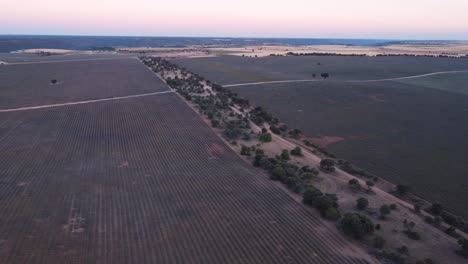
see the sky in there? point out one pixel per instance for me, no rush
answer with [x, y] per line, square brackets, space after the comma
[370, 19]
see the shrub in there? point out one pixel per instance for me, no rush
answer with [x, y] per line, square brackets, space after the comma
[297, 151]
[393, 206]
[362, 203]
[285, 155]
[278, 173]
[311, 195]
[403, 250]
[357, 225]
[379, 242]
[451, 231]
[275, 130]
[384, 210]
[332, 213]
[327, 164]
[265, 137]
[401, 189]
[245, 151]
[354, 185]
[464, 247]
[417, 208]
[436, 209]
[412, 234]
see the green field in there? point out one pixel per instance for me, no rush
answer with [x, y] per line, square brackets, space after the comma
[405, 131]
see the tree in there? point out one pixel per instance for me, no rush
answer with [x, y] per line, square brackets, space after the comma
[417, 208]
[275, 130]
[245, 151]
[327, 164]
[332, 213]
[354, 185]
[357, 225]
[297, 151]
[325, 75]
[393, 206]
[401, 189]
[265, 137]
[464, 247]
[53, 81]
[369, 185]
[278, 173]
[311, 195]
[362, 203]
[285, 155]
[384, 210]
[436, 209]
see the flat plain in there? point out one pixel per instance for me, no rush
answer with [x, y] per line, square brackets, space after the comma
[407, 131]
[28, 85]
[140, 180]
[234, 69]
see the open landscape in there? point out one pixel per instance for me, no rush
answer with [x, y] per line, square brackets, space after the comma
[246, 132]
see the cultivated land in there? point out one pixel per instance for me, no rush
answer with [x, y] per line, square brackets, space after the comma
[405, 133]
[139, 180]
[232, 69]
[26, 85]
[227, 113]
[12, 58]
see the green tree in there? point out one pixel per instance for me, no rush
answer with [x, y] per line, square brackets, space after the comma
[297, 151]
[278, 173]
[265, 137]
[285, 155]
[357, 225]
[311, 196]
[464, 247]
[436, 209]
[332, 213]
[327, 164]
[362, 203]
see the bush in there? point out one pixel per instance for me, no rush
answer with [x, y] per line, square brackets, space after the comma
[393, 206]
[275, 130]
[327, 164]
[311, 195]
[401, 189]
[403, 250]
[332, 213]
[464, 247]
[385, 210]
[412, 234]
[245, 151]
[297, 151]
[362, 203]
[278, 173]
[357, 225]
[265, 137]
[379, 242]
[436, 209]
[354, 185]
[285, 155]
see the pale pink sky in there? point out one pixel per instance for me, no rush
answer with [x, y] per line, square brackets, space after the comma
[403, 19]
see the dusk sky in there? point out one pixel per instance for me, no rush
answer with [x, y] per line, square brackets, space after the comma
[392, 19]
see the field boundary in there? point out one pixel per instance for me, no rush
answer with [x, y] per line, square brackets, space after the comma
[82, 102]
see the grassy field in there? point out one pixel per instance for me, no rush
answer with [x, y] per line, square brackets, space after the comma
[234, 69]
[30, 84]
[27, 57]
[139, 180]
[403, 133]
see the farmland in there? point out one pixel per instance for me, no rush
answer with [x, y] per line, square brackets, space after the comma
[138, 180]
[234, 69]
[26, 85]
[404, 131]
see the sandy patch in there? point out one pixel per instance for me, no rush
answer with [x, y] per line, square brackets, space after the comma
[54, 51]
[454, 49]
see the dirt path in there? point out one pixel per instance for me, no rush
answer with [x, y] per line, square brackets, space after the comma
[374, 80]
[81, 102]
